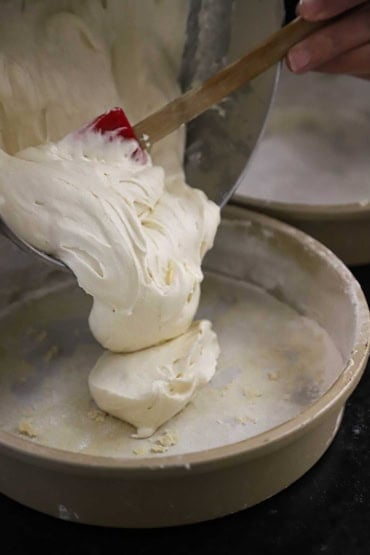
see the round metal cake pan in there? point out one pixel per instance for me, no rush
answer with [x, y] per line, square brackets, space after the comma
[312, 166]
[344, 229]
[196, 486]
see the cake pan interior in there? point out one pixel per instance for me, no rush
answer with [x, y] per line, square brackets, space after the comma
[286, 314]
[293, 327]
[311, 168]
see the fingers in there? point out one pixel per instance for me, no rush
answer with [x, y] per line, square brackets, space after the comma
[315, 10]
[332, 41]
[355, 62]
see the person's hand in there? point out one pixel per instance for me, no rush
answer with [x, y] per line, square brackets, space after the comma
[341, 47]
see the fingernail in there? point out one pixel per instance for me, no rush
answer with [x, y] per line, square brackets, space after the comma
[311, 6]
[308, 2]
[299, 58]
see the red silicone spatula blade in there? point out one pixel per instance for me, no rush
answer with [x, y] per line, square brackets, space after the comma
[113, 120]
[116, 123]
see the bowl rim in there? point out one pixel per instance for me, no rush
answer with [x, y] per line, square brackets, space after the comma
[319, 212]
[249, 448]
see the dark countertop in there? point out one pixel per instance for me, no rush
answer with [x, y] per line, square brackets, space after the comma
[327, 511]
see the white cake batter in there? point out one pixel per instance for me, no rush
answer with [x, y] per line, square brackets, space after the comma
[134, 236]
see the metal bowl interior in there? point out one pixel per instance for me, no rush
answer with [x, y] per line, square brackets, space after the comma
[164, 490]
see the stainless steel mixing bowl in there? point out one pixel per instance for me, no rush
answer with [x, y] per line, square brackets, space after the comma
[221, 141]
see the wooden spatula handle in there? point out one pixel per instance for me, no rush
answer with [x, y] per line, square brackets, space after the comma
[188, 106]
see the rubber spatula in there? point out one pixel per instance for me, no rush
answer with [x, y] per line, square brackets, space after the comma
[199, 99]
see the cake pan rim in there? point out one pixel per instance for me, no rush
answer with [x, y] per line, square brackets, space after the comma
[318, 212]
